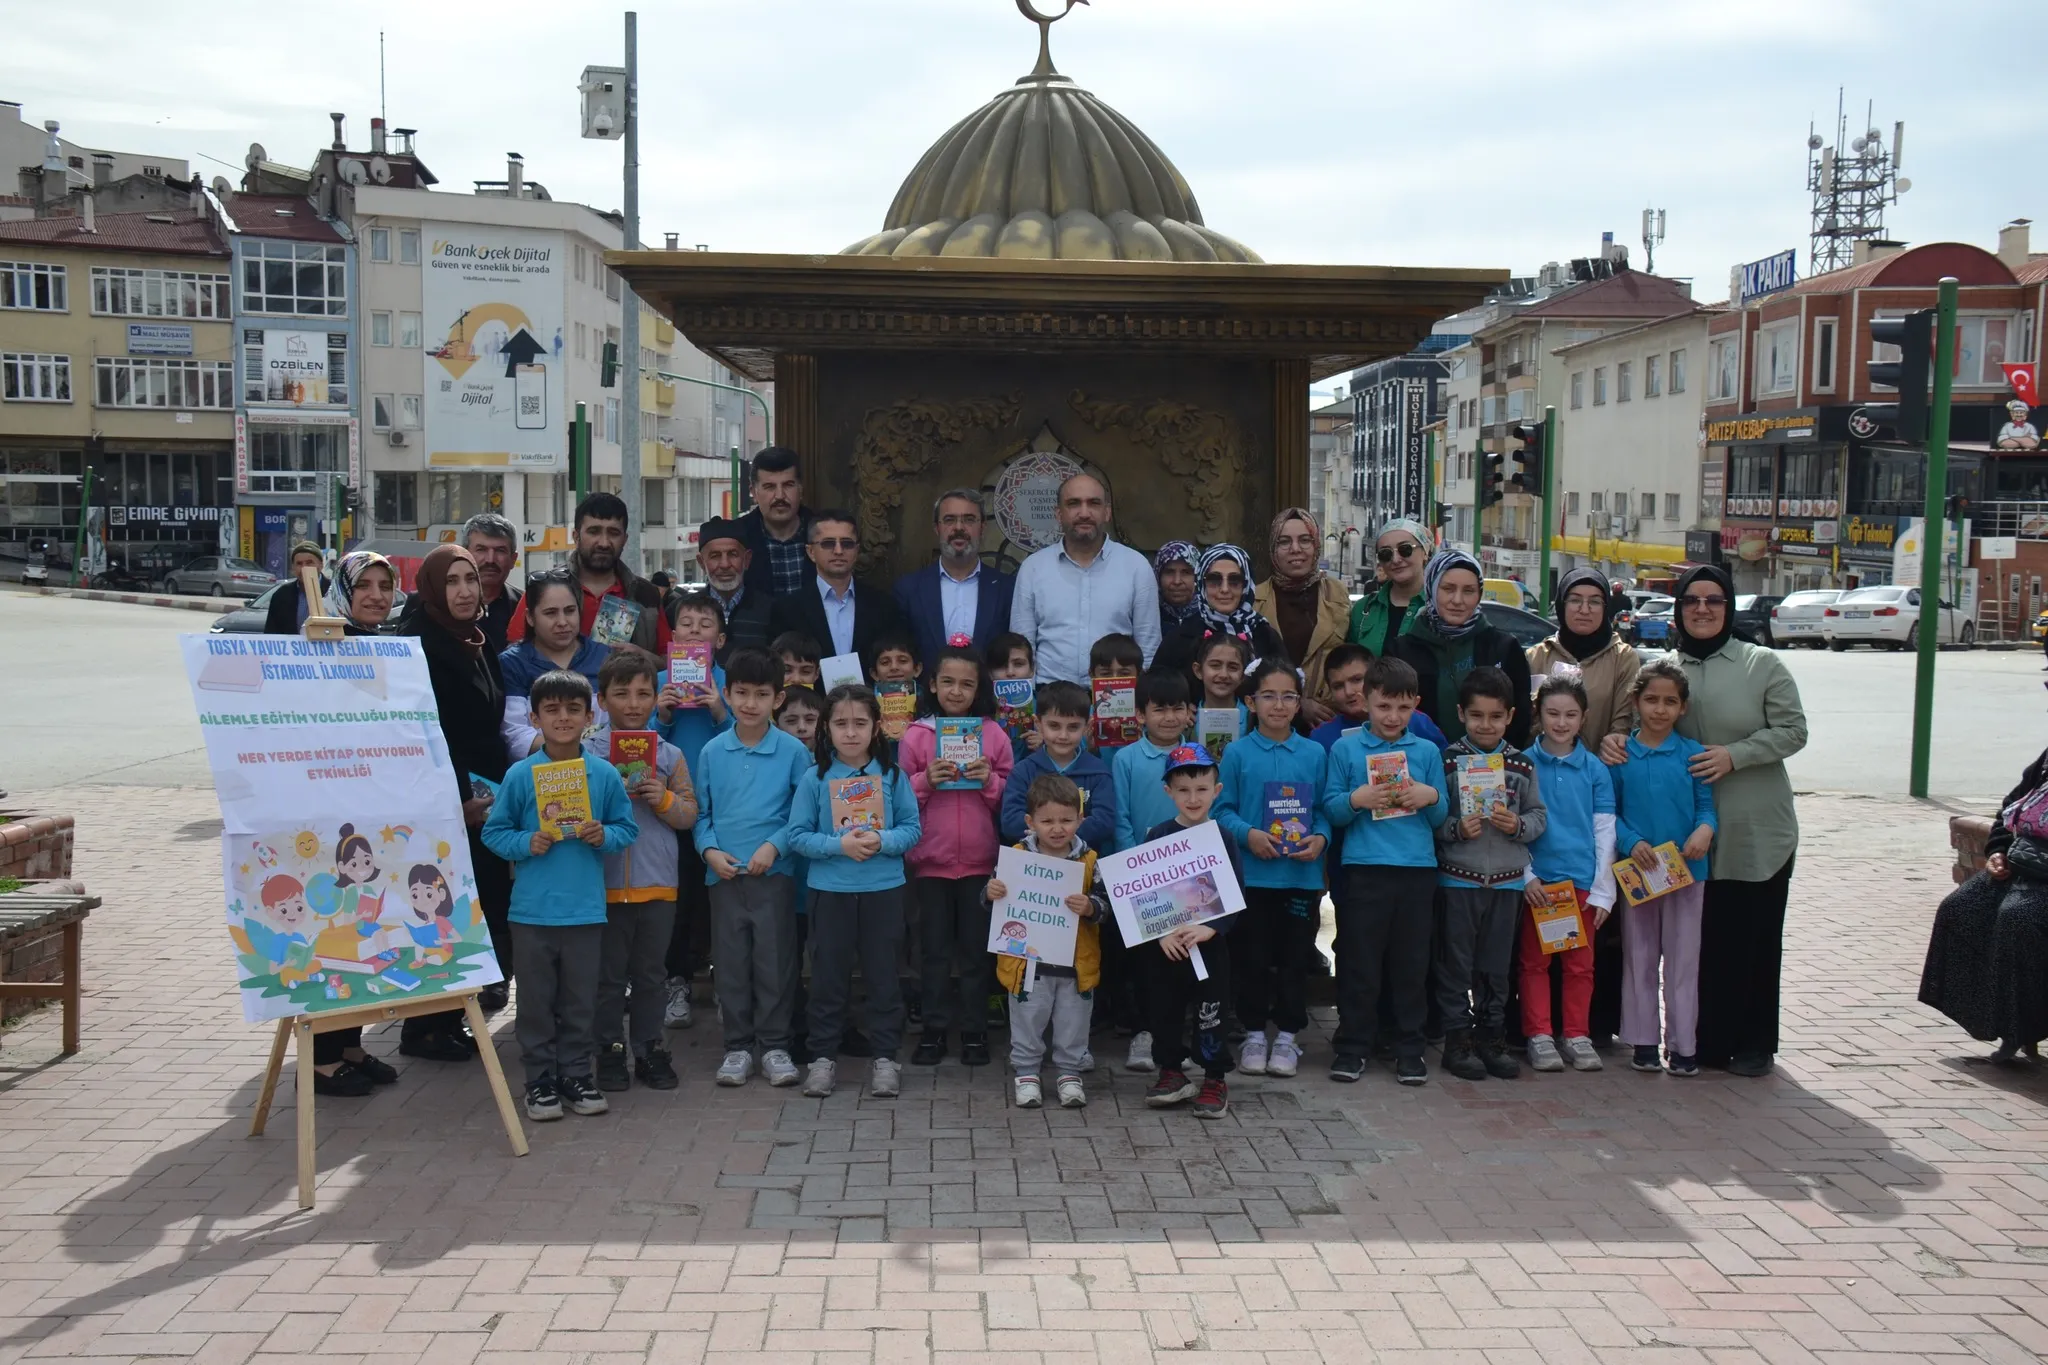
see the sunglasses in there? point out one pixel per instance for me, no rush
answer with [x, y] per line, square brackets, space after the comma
[1223, 580]
[1705, 603]
[826, 543]
[1406, 549]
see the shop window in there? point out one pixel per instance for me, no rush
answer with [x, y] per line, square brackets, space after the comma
[395, 499]
[295, 459]
[34, 286]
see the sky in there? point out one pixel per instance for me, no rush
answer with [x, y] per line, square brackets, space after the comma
[1496, 133]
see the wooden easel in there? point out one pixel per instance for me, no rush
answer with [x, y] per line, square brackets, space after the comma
[304, 1026]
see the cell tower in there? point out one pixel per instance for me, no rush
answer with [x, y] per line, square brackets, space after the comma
[1852, 180]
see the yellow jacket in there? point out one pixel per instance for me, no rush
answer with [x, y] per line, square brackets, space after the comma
[1333, 626]
[1087, 935]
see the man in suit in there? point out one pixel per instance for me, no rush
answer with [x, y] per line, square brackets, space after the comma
[722, 552]
[835, 609]
[958, 599]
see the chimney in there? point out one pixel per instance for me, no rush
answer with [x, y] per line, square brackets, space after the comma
[1869, 249]
[376, 137]
[515, 176]
[669, 240]
[2013, 244]
[340, 142]
[102, 168]
[85, 212]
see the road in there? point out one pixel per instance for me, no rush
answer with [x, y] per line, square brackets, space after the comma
[94, 692]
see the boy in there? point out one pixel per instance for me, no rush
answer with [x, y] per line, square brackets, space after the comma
[1344, 675]
[1387, 880]
[687, 717]
[1009, 656]
[895, 657]
[1170, 981]
[800, 656]
[745, 781]
[640, 883]
[558, 905]
[1059, 996]
[1483, 856]
[1138, 773]
[1063, 718]
[1112, 656]
[799, 711]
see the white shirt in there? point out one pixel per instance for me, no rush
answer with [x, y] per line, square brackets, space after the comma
[838, 615]
[959, 601]
[1063, 608]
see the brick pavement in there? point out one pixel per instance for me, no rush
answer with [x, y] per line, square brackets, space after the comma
[1882, 1197]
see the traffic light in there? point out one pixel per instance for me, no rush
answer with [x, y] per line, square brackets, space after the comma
[1913, 334]
[1489, 478]
[608, 367]
[1528, 475]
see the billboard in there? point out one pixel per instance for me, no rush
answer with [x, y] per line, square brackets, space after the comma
[493, 299]
[294, 366]
[1770, 274]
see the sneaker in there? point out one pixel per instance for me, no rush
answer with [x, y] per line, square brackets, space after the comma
[1026, 1091]
[656, 1069]
[1251, 1058]
[1646, 1058]
[1214, 1101]
[974, 1049]
[1411, 1070]
[1543, 1055]
[1495, 1057]
[1684, 1064]
[1580, 1053]
[1072, 1094]
[1461, 1059]
[582, 1096]
[885, 1079]
[677, 1012]
[930, 1051]
[819, 1080]
[737, 1066]
[614, 1068]
[778, 1068]
[1170, 1089]
[543, 1101]
[1284, 1057]
[1346, 1067]
[1140, 1056]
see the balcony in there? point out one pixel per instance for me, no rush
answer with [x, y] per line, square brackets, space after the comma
[664, 332]
[2026, 520]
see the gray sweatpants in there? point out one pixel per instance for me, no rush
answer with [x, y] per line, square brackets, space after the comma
[558, 971]
[754, 948]
[635, 946]
[1054, 1000]
[1475, 950]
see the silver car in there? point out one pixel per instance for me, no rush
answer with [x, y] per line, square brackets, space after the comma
[1798, 620]
[219, 576]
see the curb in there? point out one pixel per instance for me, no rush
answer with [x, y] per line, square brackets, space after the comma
[212, 605]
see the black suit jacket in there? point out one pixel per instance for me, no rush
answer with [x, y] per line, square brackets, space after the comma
[874, 612]
[917, 594]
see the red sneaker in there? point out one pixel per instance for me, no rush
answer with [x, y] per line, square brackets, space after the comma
[1214, 1101]
[1170, 1089]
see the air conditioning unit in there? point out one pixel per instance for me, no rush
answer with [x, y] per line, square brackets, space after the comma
[397, 437]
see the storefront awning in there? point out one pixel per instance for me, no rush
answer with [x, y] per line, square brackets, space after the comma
[1624, 551]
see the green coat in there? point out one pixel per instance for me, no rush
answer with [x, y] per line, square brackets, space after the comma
[1744, 699]
[1369, 619]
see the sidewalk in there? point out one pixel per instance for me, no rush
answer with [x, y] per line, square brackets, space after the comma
[1883, 1196]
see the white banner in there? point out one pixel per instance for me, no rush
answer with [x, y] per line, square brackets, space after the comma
[1184, 878]
[345, 861]
[493, 301]
[1033, 920]
[294, 366]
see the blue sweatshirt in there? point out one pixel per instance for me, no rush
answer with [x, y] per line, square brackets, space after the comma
[1138, 773]
[1658, 800]
[1577, 792]
[1098, 797]
[744, 794]
[690, 728]
[1330, 731]
[565, 885]
[1249, 765]
[812, 834]
[1397, 841]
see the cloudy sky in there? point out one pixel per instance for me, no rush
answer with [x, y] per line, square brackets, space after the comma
[1496, 133]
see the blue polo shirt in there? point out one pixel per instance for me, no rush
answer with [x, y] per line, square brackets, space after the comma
[1248, 765]
[744, 793]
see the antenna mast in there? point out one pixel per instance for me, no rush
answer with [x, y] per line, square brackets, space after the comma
[382, 113]
[1851, 180]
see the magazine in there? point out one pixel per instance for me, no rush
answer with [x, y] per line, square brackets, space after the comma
[1482, 784]
[1388, 769]
[858, 803]
[959, 744]
[1668, 875]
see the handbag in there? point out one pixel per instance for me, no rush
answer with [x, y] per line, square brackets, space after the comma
[2028, 816]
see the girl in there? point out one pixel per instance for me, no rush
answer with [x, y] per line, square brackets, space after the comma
[854, 817]
[957, 807]
[554, 620]
[1656, 799]
[1447, 637]
[1224, 607]
[1576, 846]
[1219, 667]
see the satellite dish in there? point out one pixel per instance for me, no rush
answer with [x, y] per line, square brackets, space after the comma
[256, 154]
[1858, 145]
[353, 171]
[380, 170]
[1873, 136]
[1903, 185]
[1813, 143]
[221, 186]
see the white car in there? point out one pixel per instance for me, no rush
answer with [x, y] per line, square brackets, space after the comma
[1797, 620]
[1888, 616]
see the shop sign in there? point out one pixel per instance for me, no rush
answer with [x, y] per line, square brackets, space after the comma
[1801, 425]
[1802, 541]
[1998, 547]
[1749, 543]
[1807, 507]
[1749, 507]
[1412, 475]
[1703, 547]
[294, 366]
[159, 338]
[1770, 275]
[1871, 535]
[161, 516]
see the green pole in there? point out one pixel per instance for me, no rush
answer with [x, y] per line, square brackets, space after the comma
[84, 511]
[734, 509]
[1478, 500]
[1929, 627]
[579, 452]
[1549, 483]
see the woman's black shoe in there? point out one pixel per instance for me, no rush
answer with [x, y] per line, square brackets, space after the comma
[931, 1050]
[348, 1080]
[974, 1049]
[438, 1047]
[493, 997]
[1752, 1064]
[377, 1069]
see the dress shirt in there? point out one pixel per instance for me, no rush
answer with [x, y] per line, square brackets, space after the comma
[838, 615]
[959, 598]
[728, 605]
[1064, 608]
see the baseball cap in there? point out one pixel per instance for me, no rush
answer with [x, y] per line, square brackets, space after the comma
[1188, 756]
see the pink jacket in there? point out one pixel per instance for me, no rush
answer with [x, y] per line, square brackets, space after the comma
[959, 826]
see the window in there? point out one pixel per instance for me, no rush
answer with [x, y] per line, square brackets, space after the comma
[1624, 381]
[582, 349]
[380, 250]
[1824, 355]
[1579, 389]
[1519, 403]
[157, 382]
[35, 286]
[35, 378]
[1671, 507]
[1723, 360]
[611, 419]
[408, 246]
[612, 287]
[582, 266]
[295, 459]
[1777, 358]
[1649, 507]
[409, 331]
[1571, 504]
[1982, 344]
[409, 408]
[299, 279]
[158, 293]
[1598, 501]
[654, 502]
[380, 411]
[454, 498]
[1599, 385]
[1489, 409]
[1678, 371]
[395, 498]
[380, 329]
[1653, 375]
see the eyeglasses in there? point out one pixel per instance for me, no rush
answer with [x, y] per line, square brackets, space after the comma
[1406, 549]
[1705, 603]
[827, 543]
[1222, 580]
[1276, 698]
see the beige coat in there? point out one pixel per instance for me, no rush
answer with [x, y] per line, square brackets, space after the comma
[1333, 623]
[1610, 678]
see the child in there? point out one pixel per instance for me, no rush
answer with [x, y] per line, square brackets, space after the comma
[1220, 662]
[746, 778]
[896, 657]
[1344, 676]
[1657, 799]
[1170, 980]
[687, 717]
[558, 906]
[800, 655]
[1483, 855]
[640, 884]
[1270, 777]
[1387, 882]
[953, 860]
[1060, 997]
[1138, 771]
[1577, 845]
[799, 710]
[1113, 656]
[1064, 713]
[1010, 657]
[856, 884]
[799, 713]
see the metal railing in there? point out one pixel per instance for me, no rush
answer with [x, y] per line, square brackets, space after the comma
[2027, 520]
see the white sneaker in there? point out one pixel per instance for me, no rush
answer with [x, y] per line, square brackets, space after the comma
[885, 1080]
[1251, 1058]
[677, 1013]
[1072, 1094]
[1027, 1092]
[1140, 1058]
[778, 1068]
[1543, 1054]
[736, 1067]
[818, 1082]
[1579, 1052]
[1284, 1057]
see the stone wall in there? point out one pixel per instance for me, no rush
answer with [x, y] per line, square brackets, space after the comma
[34, 848]
[1966, 835]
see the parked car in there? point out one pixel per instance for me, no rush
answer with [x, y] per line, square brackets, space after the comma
[1797, 619]
[1753, 618]
[219, 576]
[1511, 591]
[1649, 622]
[1525, 626]
[1889, 616]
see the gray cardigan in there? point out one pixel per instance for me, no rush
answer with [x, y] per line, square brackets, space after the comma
[1493, 859]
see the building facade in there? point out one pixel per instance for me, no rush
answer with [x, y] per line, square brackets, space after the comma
[1393, 404]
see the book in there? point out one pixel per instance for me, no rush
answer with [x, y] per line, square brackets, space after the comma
[841, 670]
[1116, 711]
[1390, 770]
[561, 792]
[857, 803]
[959, 744]
[633, 754]
[1558, 923]
[1667, 876]
[898, 701]
[1016, 705]
[616, 620]
[1215, 728]
[1290, 815]
[1482, 783]
[689, 668]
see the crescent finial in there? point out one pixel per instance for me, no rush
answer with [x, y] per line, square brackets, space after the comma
[1045, 22]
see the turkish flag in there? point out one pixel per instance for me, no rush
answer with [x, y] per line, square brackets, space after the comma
[2021, 377]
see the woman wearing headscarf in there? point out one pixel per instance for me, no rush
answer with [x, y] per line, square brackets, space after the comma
[1174, 566]
[1223, 607]
[1744, 707]
[1402, 553]
[1607, 664]
[1447, 637]
[469, 694]
[286, 614]
[1309, 608]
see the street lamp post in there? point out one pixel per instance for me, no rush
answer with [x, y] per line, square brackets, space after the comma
[615, 113]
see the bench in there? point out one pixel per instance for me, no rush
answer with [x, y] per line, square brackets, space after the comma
[25, 917]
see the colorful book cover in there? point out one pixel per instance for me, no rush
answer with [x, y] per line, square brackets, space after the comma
[1116, 711]
[1016, 705]
[1667, 876]
[1388, 770]
[689, 668]
[1290, 815]
[1482, 783]
[561, 791]
[1215, 728]
[840, 670]
[960, 745]
[632, 753]
[857, 803]
[898, 701]
[616, 621]
[1558, 923]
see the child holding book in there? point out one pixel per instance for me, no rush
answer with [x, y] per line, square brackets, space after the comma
[800, 655]
[800, 712]
[558, 903]
[1378, 783]
[1344, 675]
[957, 797]
[1171, 982]
[1060, 998]
[1138, 773]
[1012, 669]
[640, 882]
[895, 672]
[854, 817]
[746, 779]
[1658, 800]
[1220, 662]
[689, 710]
[1064, 715]
[1483, 853]
[1272, 782]
[1576, 846]
[1113, 664]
